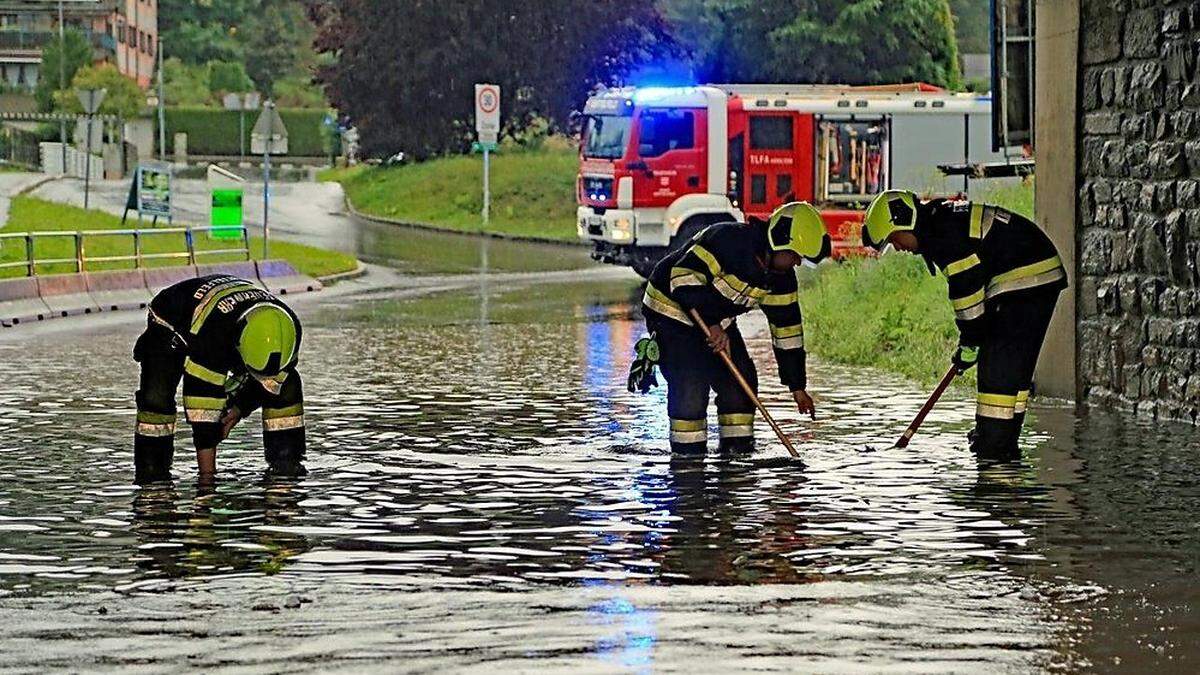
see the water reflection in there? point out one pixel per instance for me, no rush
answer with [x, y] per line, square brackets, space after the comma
[506, 456]
[219, 529]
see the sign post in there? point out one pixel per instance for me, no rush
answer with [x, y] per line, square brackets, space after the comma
[487, 125]
[269, 137]
[91, 100]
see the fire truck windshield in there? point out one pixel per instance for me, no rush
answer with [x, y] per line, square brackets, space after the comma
[605, 136]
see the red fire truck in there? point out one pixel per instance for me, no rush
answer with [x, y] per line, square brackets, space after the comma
[659, 164]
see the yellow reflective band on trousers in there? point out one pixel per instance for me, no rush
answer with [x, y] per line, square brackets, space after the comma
[280, 419]
[1040, 273]
[203, 408]
[960, 266]
[1022, 401]
[736, 425]
[201, 373]
[659, 302]
[688, 431]
[996, 406]
[155, 424]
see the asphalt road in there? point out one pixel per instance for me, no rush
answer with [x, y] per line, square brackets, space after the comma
[309, 212]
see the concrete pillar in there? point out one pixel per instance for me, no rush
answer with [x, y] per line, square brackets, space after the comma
[1055, 140]
[181, 148]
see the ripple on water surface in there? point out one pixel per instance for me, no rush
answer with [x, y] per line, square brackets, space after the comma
[508, 456]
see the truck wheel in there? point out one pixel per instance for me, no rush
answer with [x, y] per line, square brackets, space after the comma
[691, 227]
[643, 261]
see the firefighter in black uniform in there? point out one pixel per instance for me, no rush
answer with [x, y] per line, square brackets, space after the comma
[1004, 277]
[235, 346]
[727, 270]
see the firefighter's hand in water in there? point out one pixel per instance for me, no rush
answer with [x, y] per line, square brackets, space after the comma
[804, 403]
[229, 420]
[718, 339]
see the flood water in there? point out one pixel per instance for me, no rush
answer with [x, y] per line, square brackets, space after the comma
[484, 494]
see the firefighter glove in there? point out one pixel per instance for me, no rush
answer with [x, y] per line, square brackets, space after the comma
[641, 371]
[965, 357]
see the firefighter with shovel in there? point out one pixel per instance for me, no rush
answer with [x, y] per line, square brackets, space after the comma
[691, 302]
[1004, 278]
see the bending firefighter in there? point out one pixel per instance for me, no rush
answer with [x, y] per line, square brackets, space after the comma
[235, 346]
[727, 270]
[1004, 276]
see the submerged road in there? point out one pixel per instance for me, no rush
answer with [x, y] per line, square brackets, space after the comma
[485, 495]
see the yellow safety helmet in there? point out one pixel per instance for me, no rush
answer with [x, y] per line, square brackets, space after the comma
[267, 343]
[890, 211]
[798, 227]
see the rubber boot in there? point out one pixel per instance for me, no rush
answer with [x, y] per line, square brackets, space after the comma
[285, 456]
[733, 447]
[151, 465]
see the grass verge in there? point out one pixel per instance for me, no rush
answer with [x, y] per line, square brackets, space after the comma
[30, 214]
[533, 191]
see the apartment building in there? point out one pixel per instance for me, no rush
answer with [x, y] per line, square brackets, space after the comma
[121, 32]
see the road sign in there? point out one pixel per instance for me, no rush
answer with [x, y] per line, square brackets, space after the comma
[269, 136]
[91, 99]
[487, 112]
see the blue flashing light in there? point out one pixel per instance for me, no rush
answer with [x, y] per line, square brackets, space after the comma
[649, 94]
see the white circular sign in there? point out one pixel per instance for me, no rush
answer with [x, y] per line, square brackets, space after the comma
[489, 99]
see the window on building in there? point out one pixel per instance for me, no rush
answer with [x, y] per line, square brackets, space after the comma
[772, 132]
[121, 33]
[666, 130]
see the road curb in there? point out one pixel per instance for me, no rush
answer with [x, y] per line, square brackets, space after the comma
[35, 185]
[355, 273]
[437, 228]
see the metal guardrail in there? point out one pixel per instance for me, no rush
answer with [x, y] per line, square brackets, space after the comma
[138, 258]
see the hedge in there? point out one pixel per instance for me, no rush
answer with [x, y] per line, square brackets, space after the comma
[213, 131]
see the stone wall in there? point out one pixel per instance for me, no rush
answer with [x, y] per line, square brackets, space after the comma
[1139, 206]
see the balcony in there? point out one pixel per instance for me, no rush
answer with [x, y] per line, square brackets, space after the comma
[25, 41]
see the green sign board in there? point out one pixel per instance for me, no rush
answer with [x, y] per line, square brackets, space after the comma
[227, 213]
[153, 182]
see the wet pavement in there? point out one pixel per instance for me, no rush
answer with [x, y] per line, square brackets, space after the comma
[484, 494]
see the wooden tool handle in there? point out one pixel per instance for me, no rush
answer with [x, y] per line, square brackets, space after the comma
[737, 375]
[933, 399]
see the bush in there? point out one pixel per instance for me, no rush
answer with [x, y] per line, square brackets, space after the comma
[225, 77]
[213, 131]
[887, 313]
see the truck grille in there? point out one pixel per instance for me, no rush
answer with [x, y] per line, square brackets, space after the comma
[597, 189]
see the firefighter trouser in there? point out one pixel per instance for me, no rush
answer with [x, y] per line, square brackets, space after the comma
[154, 437]
[691, 370]
[1006, 363]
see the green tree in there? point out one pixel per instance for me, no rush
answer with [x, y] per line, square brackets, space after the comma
[405, 71]
[185, 84]
[124, 97]
[225, 77]
[844, 41]
[78, 53]
[971, 27]
[199, 31]
[276, 42]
